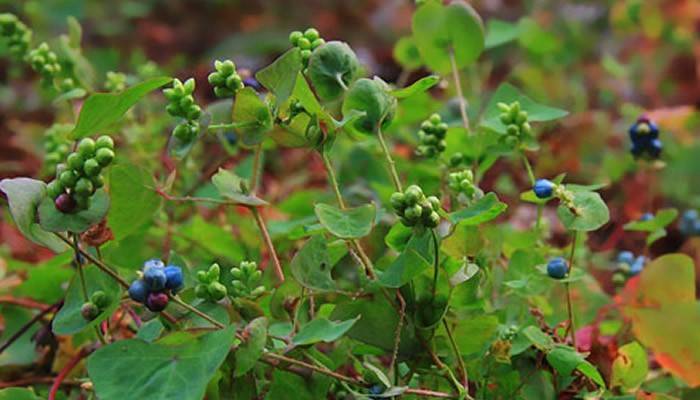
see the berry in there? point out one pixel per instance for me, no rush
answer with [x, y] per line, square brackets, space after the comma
[75, 161]
[689, 223]
[311, 34]
[153, 263]
[84, 187]
[637, 265]
[104, 142]
[557, 268]
[54, 189]
[65, 203]
[157, 301]
[294, 37]
[155, 278]
[138, 291]
[86, 147]
[104, 156]
[100, 299]
[68, 178]
[625, 257]
[225, 79]
[646, 217]
[89, 311]
[543, 188]
[174, 278]
[92, 167]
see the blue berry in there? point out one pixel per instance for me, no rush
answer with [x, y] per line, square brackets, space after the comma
[153, 263]
[174, 279]
[625, 257]
[376, 389]
[155, 278]
[689, 223]
[646, 217]
[138, 291]
[557, 268]
[543, 188]
[637, 265]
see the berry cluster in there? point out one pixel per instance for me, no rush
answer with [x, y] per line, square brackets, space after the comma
[16, 35]
[627, 266]
[462, 183]
[155, 282]
[115, 81]
[225, 79]
[246, 279]
[415, 209]
[544, 189]
[98, 302]
[78, 179]
[56, 145]
[690, 223]
[45, 62]
[645, 139]
[557, 268]
[181, 104]
[457, 159]
[209, 287]
[307, 42]
[432, 137]
[515, 120]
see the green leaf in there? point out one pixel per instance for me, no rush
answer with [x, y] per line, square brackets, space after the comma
[150, 331]
[439, 29]
[630, 367]
[473, 335]
[306, 97]
[592, 212]
[102, 110]
[280, 76]
[250, 351]
[406, 53]
[507, 93]
[46, 281]
[177, 367]
[350, 223]
[539, 339]
[322, 330]
[286, 385]
[373, 98]
[231, 186]
[253, 115]
[564, 359]
[660, 220]
[23, 351]
[413, 260]
[24, 196]
[534, 38]
[465, 240]
[53, 220]
[421, 85]
[16, 393]
[465, 273]
[332, 68]
[499, 33]
[68, 320]
[133, 202]
[589, 370]
[311, 265]
[484, 210]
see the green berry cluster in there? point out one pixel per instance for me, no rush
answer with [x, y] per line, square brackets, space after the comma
[45, 62]
[16, 35]
[462, 184]
[515, 120]
[78, 179]
[115, 81]
[415, 209]
[246, 279]
[181, 104]
[98, 302]
[307, 42]
[56, 145]
[225, 79]
[432, 137]
[209, 287]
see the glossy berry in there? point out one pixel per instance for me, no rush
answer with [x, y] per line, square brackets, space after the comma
[157, 301]
[104, 142]
[91, 167]
[138, 291]
[100, 299]
[174, 278]
[104, 156]
[557, 268]
[625, 257]
[690, 223]
[155, 278]
[86, 147]
[65, 203]
[153, 263]
[544, 188]
[637, 265]
[646, 217]
[89, 311]
[75, 161]
[54, 189]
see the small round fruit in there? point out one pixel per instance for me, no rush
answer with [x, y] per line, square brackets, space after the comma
[68, 178]
[86, 147]
[157, 301]
[153, 263]
[65, 203]
[216, 290]
[311, 34]
[304, 43]
[557, 268]
[294, 37]
[155, 278]
[397, 201]
[92, 167]
[104, 156]
[174, 279]
[75, 161]
[100, 299]
[84, 186]
[543, 188]
[637, 266]
[646, 217]
[54, 189]
[97, 181]
[413, 194]
[89, 311]
[138, 291]
[104, 142]
[625, 257]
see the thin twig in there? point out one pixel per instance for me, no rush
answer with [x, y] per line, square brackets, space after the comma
[21, 331]
[260, 221]
[458, 88]
[458, 354]
[389, 160]
[256, 168]
[66, 370]
[569, 306]
[104, 267]
[196, 311]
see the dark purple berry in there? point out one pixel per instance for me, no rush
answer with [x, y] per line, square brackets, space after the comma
[157, 301]
[65, 203]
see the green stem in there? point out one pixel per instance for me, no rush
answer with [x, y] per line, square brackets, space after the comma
[81, 273]
[256, 168]
[194, 310]
[569, 305]
[102, 266]
[436, 261]
[458, 354]
[528, 167]
[389, 160]
[458, 88]
[233, 125]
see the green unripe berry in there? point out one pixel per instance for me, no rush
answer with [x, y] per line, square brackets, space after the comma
[442, 127]
[201, 291]
[456, 159]
[104, 142]
[397, 201]
[97, 181]
[82, 201]
[413, 194]
[68, 178]
[294, 37]
[304, 43]
[86, 147]
[311, 34]
[434, 202]
[216, 290]
[92, 167]
[100, 299]
[435, 119]
[104, 156]
[413, 212]
[512, 130]
[317, 43]
[83, 186]
[305, 55]
[433, 220]
[54, 189]
[75, 161]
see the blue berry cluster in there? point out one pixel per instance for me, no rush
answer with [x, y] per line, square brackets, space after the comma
[645, 139]
[690, 223]
[156, 281]
[225, 79]
[628, 265]
[557, 268]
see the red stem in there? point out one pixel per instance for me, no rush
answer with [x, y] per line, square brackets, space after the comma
[65, 371]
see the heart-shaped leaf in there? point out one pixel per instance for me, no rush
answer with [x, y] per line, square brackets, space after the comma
[253, 115]
[231, 186]
[280, 76]
[507, 93]
[133, 202]
[177, 367]
[350, 223]
[311, 266]
[332, 68]
[249, 352]
[415, 258]
[484, 210]
[591, 212]
[322, 330]
[53, 220]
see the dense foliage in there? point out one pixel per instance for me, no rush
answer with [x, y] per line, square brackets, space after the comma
[437, 253]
